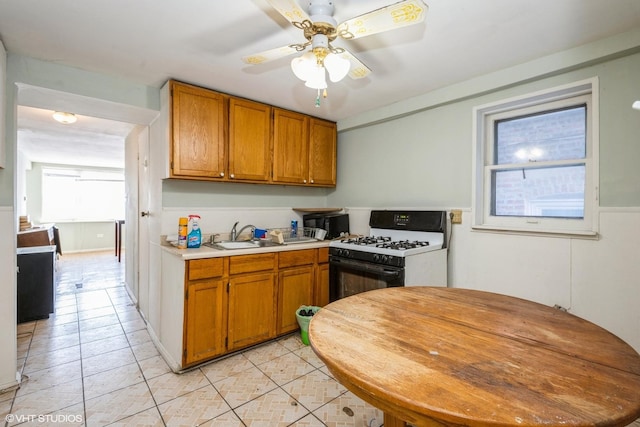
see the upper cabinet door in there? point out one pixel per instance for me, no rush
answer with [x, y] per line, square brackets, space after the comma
[199, 120]
[249, 140]
[322, 152]
[290, 147]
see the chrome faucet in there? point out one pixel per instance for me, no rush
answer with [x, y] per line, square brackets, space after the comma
[234, 234]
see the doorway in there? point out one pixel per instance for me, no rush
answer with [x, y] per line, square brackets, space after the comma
[106, 136]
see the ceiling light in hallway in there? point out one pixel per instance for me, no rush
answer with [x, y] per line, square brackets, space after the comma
[64, 118]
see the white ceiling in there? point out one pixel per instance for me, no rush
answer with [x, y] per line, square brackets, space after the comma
[201, 42]
[90, 141]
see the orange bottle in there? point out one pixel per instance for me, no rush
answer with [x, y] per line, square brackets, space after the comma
[182, 232]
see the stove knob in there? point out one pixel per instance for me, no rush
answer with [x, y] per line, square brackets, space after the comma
[385, 258]
[376, 258]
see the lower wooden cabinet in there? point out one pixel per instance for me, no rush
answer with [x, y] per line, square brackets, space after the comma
[205, 316]
[205, 320]
[321, 285]
[252, 309]
[295, 288]
[238, 301]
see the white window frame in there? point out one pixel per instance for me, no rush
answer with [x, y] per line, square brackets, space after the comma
[484, 116]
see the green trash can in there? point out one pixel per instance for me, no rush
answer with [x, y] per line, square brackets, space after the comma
[302, 314]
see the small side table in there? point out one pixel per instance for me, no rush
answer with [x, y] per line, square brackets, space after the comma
[118, 227]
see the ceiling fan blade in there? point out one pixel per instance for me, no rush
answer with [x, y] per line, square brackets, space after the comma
[269, 55]
[289, 9]
[357, 70]
[398, 15]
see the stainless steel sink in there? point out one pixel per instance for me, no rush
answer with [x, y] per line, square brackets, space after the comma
[301, 239]
[254, 244]
[237, 245]
[241, 244]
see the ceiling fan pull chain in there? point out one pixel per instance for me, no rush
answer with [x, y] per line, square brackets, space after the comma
[318, 99]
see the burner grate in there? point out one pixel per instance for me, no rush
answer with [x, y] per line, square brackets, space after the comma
[385, 242]
[367, 240]
[403, 245]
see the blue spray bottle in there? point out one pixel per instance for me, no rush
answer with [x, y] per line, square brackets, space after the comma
[194, 239]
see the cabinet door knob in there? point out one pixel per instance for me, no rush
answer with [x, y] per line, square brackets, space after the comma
[304, 181]
[221, 173]
[232, 176]
[312, 181]
[144, 213]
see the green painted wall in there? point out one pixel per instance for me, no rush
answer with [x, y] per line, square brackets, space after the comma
[429, 153]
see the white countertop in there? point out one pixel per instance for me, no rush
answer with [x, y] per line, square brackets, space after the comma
[207, 252]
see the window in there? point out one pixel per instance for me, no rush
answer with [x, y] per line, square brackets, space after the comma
[82, 195]
[535, 166]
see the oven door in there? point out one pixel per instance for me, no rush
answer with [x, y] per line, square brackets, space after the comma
[349, 277]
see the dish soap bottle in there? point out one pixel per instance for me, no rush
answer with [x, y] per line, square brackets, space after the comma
[194, 239]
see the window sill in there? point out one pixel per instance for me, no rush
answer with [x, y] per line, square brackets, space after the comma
[567, 234]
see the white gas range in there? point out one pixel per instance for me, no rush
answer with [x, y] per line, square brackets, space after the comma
[404, 248]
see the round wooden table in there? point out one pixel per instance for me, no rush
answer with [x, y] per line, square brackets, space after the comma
[451, 356]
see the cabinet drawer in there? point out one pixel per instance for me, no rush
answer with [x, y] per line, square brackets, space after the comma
[323, 255]
[205, 268]
[293, 258]
[248, 263]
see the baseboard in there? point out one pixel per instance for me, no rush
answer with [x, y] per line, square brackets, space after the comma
[175, 366]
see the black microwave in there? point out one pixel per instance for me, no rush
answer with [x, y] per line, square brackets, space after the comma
[335, 225]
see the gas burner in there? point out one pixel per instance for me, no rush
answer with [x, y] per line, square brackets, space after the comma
[403, 245]
[366, 240]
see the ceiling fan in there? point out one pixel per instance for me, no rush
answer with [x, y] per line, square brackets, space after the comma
[320, 29]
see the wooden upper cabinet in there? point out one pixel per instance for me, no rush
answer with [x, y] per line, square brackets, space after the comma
[322, 152]
[304, 149]
[290, 147]
[199, 123]
[249, 140]
[218, 137]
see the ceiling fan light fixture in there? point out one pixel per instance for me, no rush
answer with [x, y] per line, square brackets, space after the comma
[636, 105]
[320, 29]
[303, 66]
[317, 79]
[64, 117]
[336, 66]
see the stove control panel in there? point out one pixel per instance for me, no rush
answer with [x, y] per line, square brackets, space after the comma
[432, 221]
[401, 219]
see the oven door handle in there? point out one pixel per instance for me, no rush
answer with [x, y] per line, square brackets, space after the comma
[367, 267]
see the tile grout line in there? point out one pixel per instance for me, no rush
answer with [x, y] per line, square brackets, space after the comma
[280, 386]
[145, 380]
[22, 374]
[84, 400]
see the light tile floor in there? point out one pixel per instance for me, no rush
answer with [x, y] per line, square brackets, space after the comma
[92, 363]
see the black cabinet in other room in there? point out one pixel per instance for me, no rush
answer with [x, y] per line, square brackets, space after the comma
[36, 282]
